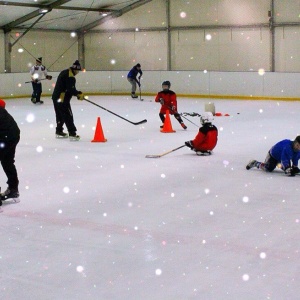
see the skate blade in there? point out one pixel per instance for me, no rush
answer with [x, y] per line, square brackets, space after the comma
[74, 139]
[11, 200]
[61, 137]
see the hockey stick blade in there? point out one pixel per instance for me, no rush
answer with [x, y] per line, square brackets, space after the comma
[160, 155]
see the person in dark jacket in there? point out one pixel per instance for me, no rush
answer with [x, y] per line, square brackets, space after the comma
[207, 137]
[65, 88]
[131, 77]
[9, 138]
[168, 100]
[284, 154]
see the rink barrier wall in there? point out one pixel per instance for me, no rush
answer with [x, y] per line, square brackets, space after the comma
[192, 84]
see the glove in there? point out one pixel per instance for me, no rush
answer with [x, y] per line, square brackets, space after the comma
[295, 170]
[80, 96]
[289, 172]
[162, 101]
[35, 80]
[138, 83]
[49, 77]
[190, 144]
[140, 77]
[173, 108]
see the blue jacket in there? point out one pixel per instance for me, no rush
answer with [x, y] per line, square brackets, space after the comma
[283, 152]
[134, 72]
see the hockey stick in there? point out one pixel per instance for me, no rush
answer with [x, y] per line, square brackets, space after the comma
[160, 155]
[140, 92]
[134, 123]
[183, 117]
[40, 80]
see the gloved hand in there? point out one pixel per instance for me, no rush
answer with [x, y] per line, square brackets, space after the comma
[190, 144]
[295, 170]
[35, 80]
[289, 172]
[161, 101]
[138, 83]
[49, 77]
[173, 108]
[80, 96]
[140, 77]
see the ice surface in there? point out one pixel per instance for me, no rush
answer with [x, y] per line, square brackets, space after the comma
[101, 221]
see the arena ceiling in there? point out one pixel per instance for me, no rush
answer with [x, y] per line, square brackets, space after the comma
[62, 15]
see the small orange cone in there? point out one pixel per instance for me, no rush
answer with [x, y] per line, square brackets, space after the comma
[99, 136]
[167, 124]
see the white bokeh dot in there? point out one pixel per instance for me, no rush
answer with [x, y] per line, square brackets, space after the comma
[30, 118]
[262, 255]
[246, 277]
[39, 149]
[66, 190]
[163, 176]
[158, 272]
[245, 199]
[79, 269]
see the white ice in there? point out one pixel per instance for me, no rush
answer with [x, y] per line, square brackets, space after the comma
[101, 221]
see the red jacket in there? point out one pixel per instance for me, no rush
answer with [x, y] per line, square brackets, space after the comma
[170, 101]
[207, 138]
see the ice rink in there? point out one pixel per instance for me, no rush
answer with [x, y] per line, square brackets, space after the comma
[101, 221]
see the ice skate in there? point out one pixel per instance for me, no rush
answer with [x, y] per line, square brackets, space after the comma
[183, 126]
[203, 153]
[134, 96]
[61, 135]
[10, 194]
[33, 100]
[251, 164]
[74, 137]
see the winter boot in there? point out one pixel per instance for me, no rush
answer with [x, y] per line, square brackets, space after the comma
[251, 164]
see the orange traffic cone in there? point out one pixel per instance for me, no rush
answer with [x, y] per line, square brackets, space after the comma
[99, 136]
[167, 124]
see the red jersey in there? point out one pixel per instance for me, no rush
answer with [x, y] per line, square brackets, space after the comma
[207, 138]
[170, 100]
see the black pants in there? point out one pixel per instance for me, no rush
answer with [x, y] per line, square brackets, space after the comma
[64, 115]
[176, 115]
[37, 91]
[7, 158]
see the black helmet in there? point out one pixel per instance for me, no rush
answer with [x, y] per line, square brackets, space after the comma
[167, 82]
[297, 139]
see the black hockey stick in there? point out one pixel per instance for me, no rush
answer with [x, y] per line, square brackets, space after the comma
[183, 117]
[134, 123]
[165, 153]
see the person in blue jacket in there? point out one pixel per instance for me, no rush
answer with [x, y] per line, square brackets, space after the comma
[286, 153]
[131, 77]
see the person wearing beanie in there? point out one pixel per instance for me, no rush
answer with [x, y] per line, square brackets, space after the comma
[9, 138]
[65, 88]
[37, 72]
[132, 78]
[284, 154]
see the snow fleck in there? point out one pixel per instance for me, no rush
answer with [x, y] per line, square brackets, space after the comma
[261, 110]
[104, 214]
[60, 211]
[122, 166]
[262, 255]
[30, 118]
[163, 176]
[182, 14]
[79, 269]
[130, 204]
[246, 277]
[66, 190]
[206, 191]
[245, 199]
[261, 72]
[225, 163]
[211, 213]
[172, 195]
[158, 272]
[39, 149]
[136, 228]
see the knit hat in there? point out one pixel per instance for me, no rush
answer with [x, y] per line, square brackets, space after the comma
[76, 65]
[138, 65]
[39, 59]
[2, 103]
[297, 139]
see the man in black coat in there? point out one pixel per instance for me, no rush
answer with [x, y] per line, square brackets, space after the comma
[9, 138]
[65, 88]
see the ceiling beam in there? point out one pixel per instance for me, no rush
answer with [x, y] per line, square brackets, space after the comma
[113, 15]
[5, 3]
[11, 25]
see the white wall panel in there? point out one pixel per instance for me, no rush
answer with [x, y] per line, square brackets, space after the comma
[219, 12]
